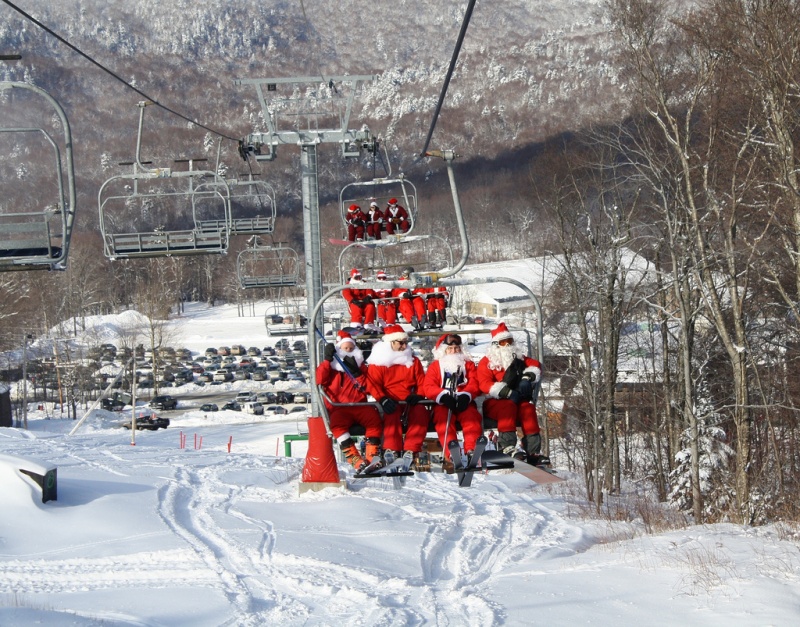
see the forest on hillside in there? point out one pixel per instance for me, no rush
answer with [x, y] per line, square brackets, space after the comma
[645, 125]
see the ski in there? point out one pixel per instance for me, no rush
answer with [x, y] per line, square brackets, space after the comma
[407, 459]
[465, 478]
[455, 455]
[534, 473]
[382, 468]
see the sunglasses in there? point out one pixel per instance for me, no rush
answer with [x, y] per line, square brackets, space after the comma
[401, 342]
[505, 342]
[452, 340]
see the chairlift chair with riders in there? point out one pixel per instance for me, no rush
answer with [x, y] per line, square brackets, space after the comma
[187, 212]
[381, 191]
[35, 224]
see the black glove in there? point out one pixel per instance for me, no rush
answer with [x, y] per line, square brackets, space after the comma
[329, 352]
[525, 389]
[389, 406]
[352, 365]
[508, 393]
[413, 399]
[449, 401]
[462, 402]
[513, 373]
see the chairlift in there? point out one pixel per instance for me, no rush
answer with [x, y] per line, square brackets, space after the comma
[253, 208]
[286, 318]
[381, 191]
[35, 224]
[268, 266]
[155, 212]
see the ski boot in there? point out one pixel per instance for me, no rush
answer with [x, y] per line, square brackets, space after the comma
[373, 449]
[351, 454]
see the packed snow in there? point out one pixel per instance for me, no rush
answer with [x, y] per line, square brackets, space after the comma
[157, 534]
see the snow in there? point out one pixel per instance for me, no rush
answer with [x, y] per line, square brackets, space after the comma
[155, 534]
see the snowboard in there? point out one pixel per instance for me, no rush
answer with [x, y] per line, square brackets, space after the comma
[534, 473]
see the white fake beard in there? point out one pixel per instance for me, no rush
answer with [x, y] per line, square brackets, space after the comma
[500, 357]
[356, 352]
[452, 362]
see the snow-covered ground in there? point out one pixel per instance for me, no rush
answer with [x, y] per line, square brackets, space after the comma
[156, 534]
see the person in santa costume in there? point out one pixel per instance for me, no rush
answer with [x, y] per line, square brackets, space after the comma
[396, 218]
[452, 382]
[387, 304]
[356, 223]
[359, 301]
[395, 377]
[374, 221]
[343, 376]
[410, 304]
[436, 305]
[507, 376]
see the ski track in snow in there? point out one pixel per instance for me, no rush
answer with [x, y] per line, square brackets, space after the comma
[470, 536]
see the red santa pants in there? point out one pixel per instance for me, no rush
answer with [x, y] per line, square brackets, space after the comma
[343, 418]
[509, 415]
[471, 426]
[410, 307]
[418, 417]
[387, 311]
[362, 315]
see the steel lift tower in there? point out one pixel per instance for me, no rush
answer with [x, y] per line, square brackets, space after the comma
[306, 112]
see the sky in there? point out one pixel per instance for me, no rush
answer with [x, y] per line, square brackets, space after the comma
[154, 534]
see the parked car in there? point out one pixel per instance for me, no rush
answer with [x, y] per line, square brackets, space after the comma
[238, 350]
[241, 375]
[254, 408]
[298, 408]
[149, 423]
[206, 377]
[210, 352]
[116, 401]
[209, 407]
[259, 374]
[232, 405]
[254, 351]
[266, 397]
[223, 375]
[276, 409]
[245, 397]
[164, 402]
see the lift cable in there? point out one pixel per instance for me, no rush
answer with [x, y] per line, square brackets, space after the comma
[120, 79]
[461, 35]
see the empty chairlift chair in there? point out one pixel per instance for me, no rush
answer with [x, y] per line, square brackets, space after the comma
[37, 204]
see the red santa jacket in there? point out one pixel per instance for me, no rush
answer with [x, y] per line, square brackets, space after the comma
[395, 374]
[395, 214]
[339, 386]
[354, 293]
[490, 380]
[436, 386]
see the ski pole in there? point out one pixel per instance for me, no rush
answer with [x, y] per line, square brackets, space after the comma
[355, 382]
[452, 391]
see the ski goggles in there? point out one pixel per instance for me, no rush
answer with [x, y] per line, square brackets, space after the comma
[505, 342]
[452, 340]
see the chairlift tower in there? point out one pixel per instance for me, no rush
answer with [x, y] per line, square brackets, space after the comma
[307, 112]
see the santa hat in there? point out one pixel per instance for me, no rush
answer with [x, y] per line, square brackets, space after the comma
[440, 350]
[342, 337]
[501, 333]
[355, 273]
[393, 201]
[394, 332]
[381, 275]
[354, 208]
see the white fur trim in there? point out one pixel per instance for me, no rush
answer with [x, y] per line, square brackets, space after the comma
[392, 337]
[505, 335]
[343, 437]
[383, 355]
[537, 372]
[494, 391]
